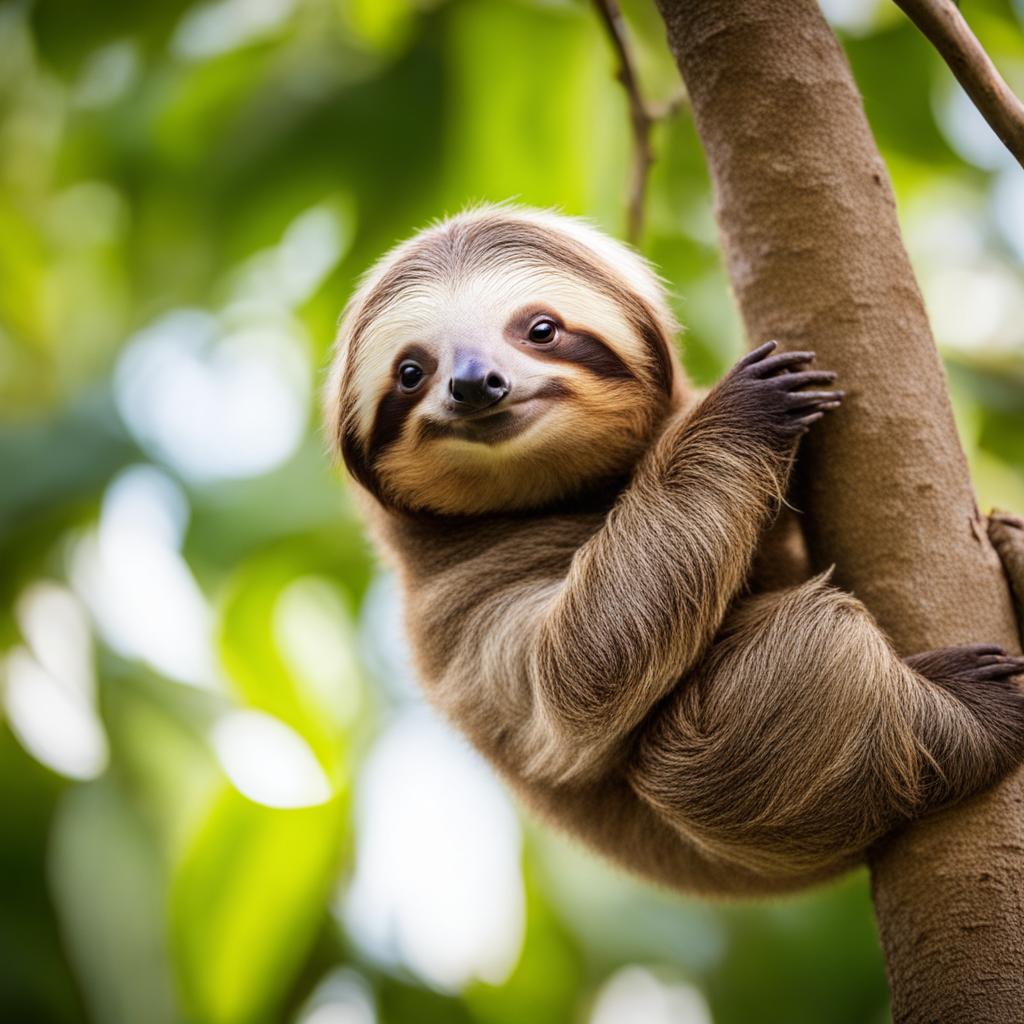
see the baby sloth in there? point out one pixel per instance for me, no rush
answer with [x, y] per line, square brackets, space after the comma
[575, 529]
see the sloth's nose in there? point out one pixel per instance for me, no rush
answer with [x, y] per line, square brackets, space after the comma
[474, 385]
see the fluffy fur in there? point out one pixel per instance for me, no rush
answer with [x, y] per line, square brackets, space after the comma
[578, 561]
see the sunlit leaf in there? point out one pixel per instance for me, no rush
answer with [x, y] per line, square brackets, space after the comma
[247, 899]
[380, 24]
[288, 648]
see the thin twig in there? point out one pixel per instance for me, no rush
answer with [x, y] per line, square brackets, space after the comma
[642, 116]
[945, 27]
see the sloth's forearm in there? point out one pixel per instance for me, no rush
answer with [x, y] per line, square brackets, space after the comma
[644, 597]
[591, 653]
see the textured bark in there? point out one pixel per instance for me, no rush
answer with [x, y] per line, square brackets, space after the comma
[813, 248]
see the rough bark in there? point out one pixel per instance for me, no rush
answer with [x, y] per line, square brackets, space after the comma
[813, 247]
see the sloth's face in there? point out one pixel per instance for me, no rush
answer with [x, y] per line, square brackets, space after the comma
[512, 383]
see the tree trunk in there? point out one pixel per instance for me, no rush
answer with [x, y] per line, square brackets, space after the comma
[813, 248]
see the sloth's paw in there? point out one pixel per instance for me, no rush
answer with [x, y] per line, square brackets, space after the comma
[982, 678]
[986, 681]
[776, 394]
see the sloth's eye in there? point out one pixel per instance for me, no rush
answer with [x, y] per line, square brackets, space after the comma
[409, 376]
[542, 332]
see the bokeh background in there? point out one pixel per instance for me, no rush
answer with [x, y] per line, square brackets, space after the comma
[222, 800]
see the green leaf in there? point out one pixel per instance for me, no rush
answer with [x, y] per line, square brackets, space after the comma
[287, 644]
[246, 902]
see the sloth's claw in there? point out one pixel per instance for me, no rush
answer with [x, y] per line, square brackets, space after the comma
[782, 364]
[968, 663]
[757, 354]
[798, 399]
[791, 381]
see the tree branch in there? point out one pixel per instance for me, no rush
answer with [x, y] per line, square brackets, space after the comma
[813, 248]
[945, 27]
[642, 116]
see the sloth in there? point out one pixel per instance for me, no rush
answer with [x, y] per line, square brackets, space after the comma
[589, 557]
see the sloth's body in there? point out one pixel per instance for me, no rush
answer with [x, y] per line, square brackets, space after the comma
[575, 531]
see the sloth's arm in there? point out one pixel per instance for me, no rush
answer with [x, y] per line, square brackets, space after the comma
[646, 594]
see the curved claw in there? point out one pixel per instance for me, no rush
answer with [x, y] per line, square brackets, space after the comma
[1001, 669]
[806, 421]
[757, 354]
[780, 365]
[792, 381]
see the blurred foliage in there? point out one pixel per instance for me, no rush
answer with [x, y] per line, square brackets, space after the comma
[197, 676]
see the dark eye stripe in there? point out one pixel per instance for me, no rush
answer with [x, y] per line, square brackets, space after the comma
[389, 418]
[585, 350]
[392, 412]
[575, 347]
[396, 405]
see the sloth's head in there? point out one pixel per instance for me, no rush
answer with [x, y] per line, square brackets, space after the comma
[503, 359]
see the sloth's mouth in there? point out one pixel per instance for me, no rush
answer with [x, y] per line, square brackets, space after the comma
[501, 425]
[489, 426]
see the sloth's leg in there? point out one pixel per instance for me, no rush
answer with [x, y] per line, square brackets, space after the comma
[609, 817]
[802, 737]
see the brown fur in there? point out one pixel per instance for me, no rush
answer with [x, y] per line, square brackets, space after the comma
[606, 645]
